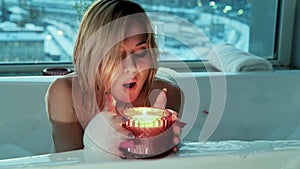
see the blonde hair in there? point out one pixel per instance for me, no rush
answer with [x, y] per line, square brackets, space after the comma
[96, 53]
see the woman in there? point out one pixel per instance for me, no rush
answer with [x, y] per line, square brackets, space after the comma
[115, 59]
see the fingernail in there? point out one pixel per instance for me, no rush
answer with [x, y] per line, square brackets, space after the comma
[165, 90]
[181, 124]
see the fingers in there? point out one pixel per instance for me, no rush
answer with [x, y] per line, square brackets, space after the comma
[175, 149]
[176, 129]
[119, 119]
[161, 99]
[180, 123]
[127, 144]
[154, 146]
[176, 140]
[104, 134]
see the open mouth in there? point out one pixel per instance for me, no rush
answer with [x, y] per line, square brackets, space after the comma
[129, 85]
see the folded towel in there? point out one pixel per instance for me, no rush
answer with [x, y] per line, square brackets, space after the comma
[227, 58]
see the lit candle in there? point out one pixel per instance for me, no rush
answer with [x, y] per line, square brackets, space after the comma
[148, 121]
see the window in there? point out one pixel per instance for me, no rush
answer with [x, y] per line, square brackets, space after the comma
[40, 33]
[201, 23]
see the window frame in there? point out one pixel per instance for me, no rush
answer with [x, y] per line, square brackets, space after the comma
[282, 54]
[285, 32]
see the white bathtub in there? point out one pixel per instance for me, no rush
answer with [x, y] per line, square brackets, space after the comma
[258, 107]
[24, 122]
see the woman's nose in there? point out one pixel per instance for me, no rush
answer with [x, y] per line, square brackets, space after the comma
[129, 65]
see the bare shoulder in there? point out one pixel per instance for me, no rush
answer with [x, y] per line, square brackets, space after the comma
[59, 102]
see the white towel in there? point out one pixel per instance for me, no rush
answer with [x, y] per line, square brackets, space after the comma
[227, 58]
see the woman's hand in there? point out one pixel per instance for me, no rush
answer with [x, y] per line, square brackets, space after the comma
[106, 131]
[156, 145]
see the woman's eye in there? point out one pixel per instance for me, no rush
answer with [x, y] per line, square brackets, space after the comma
[141, 54]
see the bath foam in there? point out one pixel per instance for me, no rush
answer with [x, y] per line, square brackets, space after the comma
[236, 147]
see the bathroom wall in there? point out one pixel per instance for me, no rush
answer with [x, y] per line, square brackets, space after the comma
[257, 106]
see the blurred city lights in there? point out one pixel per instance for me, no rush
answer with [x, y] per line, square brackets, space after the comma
[199, 3]
[59, 32]
[212, 3]
[48, 37]
[228, 7]
[240, 12]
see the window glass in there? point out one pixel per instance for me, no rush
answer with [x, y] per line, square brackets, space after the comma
[202, 23]
[44, 31]
[37, 31]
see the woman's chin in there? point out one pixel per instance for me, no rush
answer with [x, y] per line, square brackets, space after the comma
[126, 97]
[126, 100]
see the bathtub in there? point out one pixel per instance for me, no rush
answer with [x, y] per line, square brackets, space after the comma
[258, 127]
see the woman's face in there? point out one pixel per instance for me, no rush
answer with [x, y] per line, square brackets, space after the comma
[134, 69]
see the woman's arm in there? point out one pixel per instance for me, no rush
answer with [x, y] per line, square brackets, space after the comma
[67, 136]
[67, 133]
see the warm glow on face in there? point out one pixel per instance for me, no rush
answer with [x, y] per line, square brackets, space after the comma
[134, 69]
